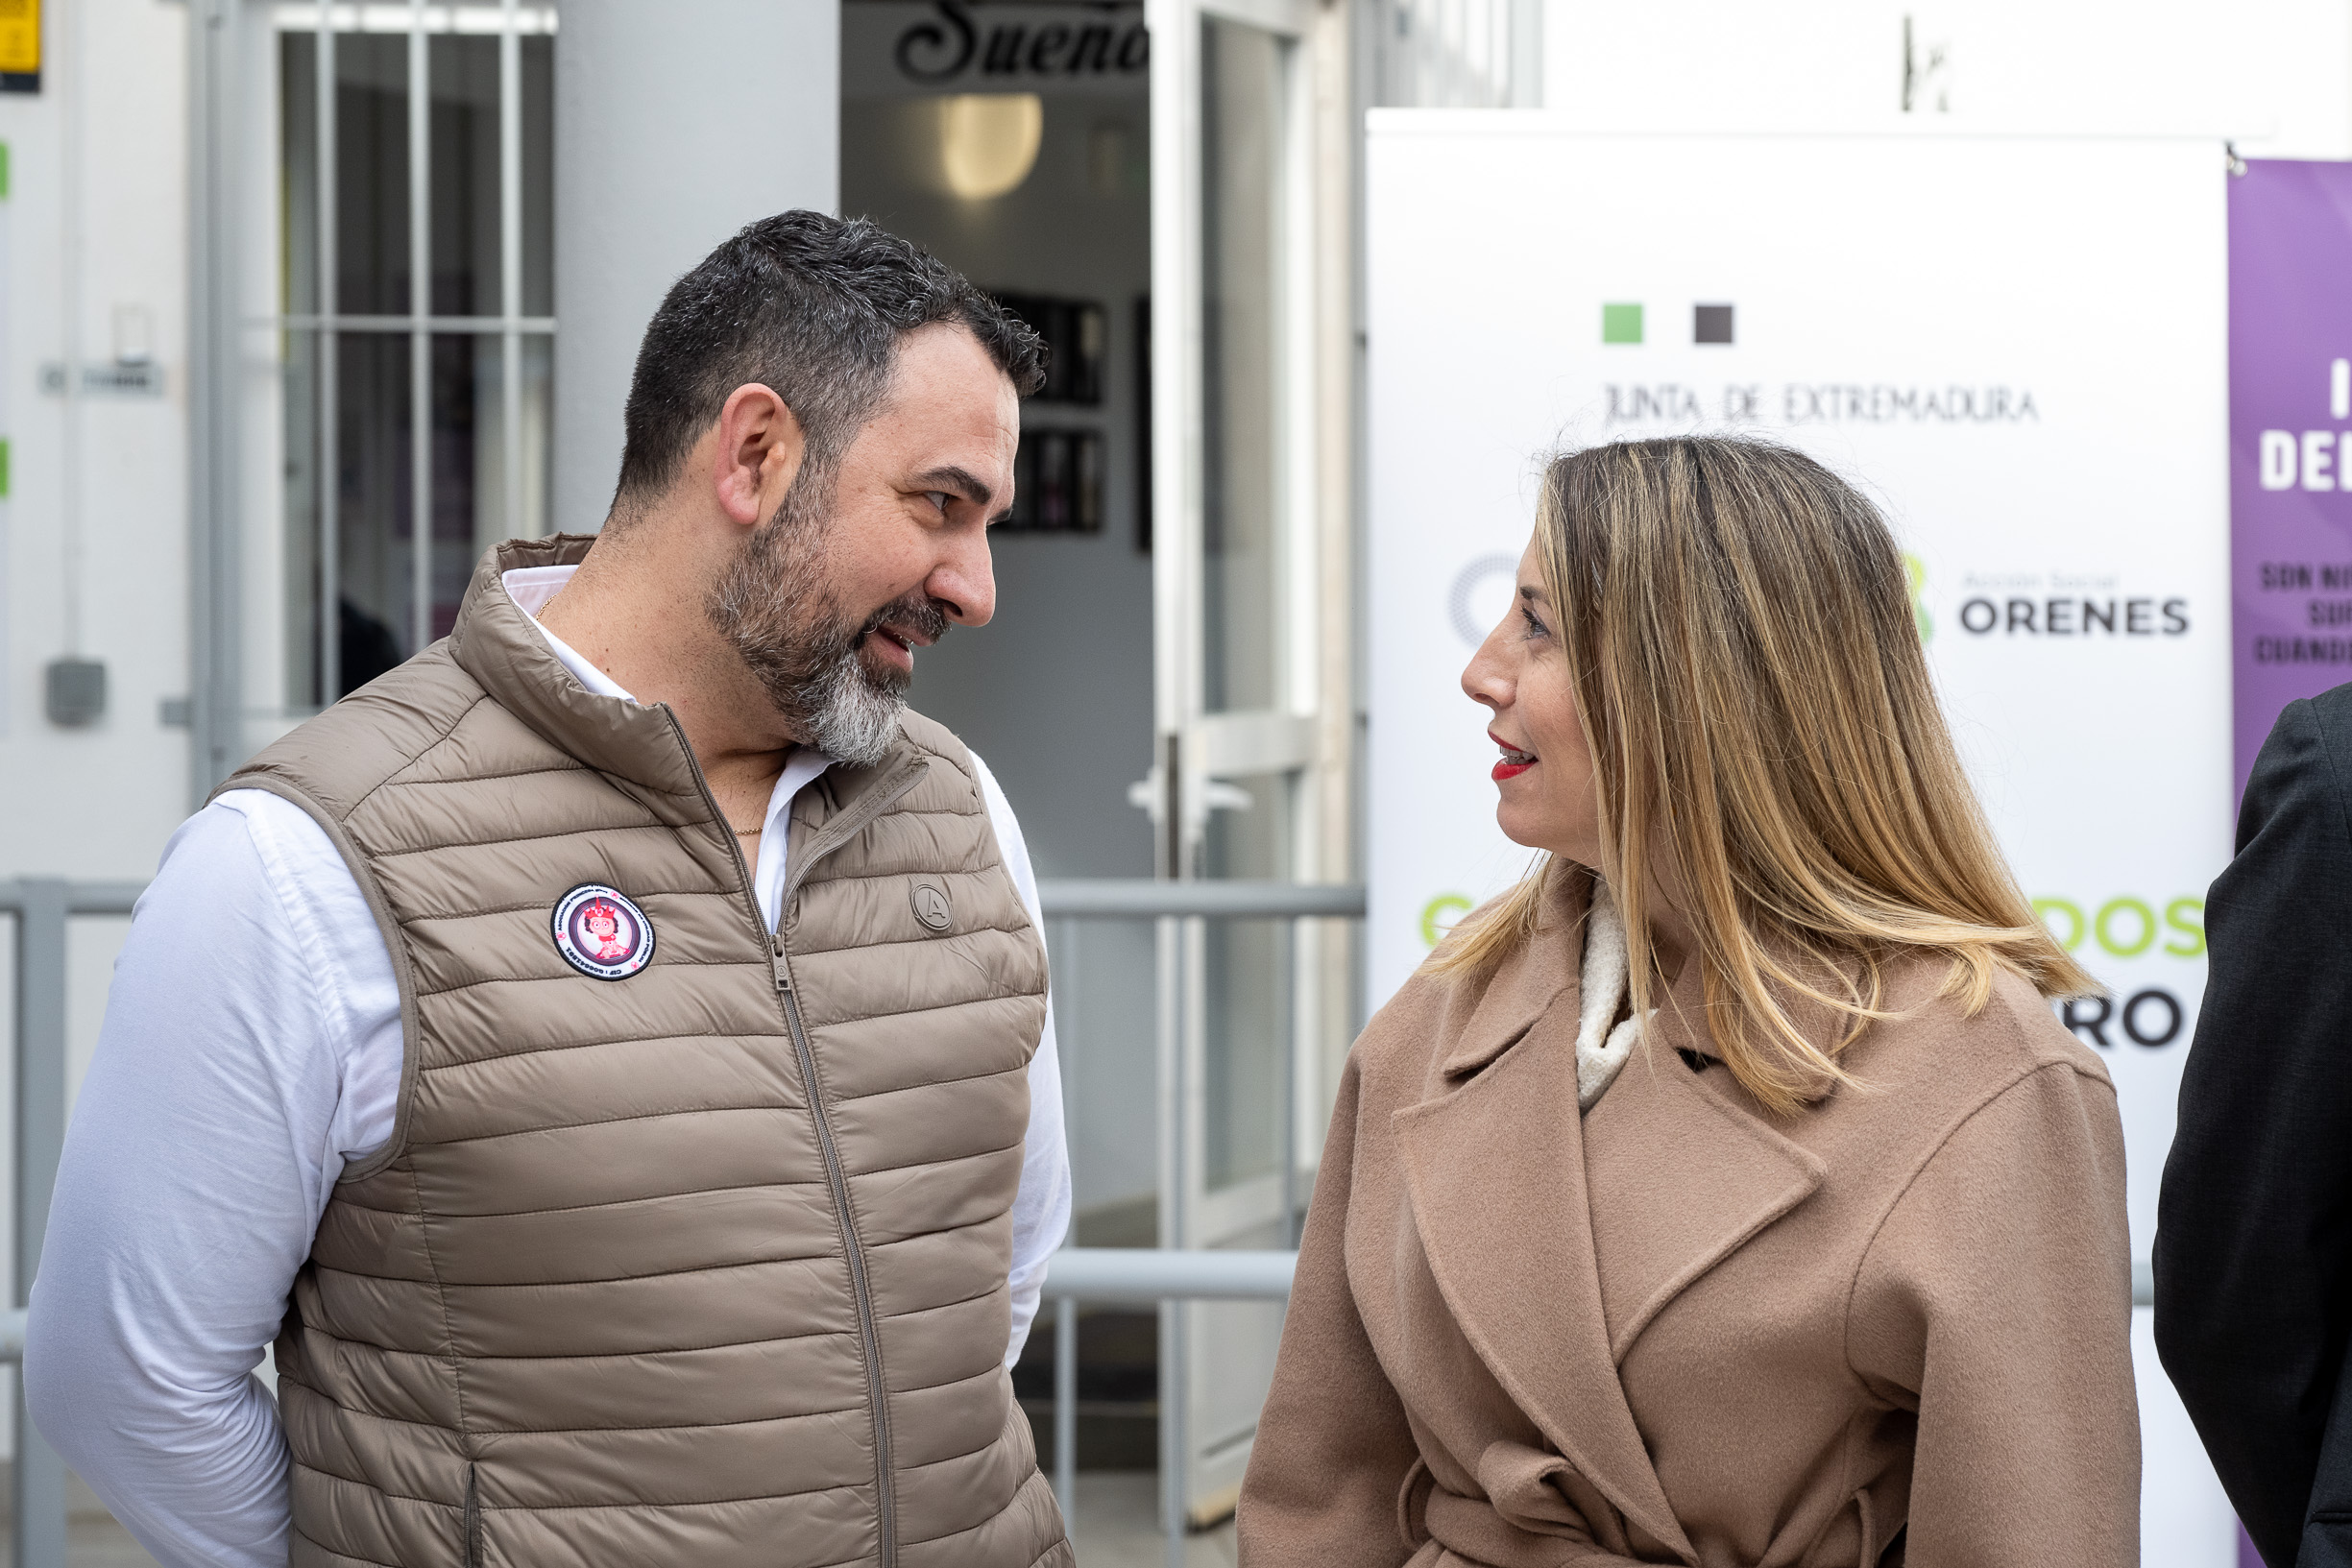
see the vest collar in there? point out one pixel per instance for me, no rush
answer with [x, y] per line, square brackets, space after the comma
[502, 649]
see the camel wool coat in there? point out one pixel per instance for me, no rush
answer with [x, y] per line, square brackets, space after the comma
[1894, 1328]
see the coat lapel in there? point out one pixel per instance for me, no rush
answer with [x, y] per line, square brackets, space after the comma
[1681, 1169]
[1495, 1170]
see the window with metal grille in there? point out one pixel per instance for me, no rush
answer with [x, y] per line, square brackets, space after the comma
[415, 317]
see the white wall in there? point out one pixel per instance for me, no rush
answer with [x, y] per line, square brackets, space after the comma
[96, 802]
[96, 199]
[675, 124]
[2274, 74]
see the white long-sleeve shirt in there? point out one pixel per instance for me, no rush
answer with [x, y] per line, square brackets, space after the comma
[251, 1050]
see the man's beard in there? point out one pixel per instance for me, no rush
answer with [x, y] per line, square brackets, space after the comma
[773, 606]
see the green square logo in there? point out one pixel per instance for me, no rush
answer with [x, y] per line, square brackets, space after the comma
[1621, 324]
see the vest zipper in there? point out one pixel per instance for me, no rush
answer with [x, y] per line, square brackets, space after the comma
[878, 799]
[474, 1519]
[869, 1337]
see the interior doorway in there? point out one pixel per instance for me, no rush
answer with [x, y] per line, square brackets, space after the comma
[1167, 689]
[1013, 143]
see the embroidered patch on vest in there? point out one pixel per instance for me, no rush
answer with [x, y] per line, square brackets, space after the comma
[930, 901]
[601, 933]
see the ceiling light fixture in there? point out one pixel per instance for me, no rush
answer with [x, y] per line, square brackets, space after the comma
[988, 141]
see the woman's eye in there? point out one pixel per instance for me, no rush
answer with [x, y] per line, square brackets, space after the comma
[1534, 627]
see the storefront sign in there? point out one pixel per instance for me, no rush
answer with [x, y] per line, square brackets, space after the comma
[2018, 347]
[2290, 438]
[894, 50]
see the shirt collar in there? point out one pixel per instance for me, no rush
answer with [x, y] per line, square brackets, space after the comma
[531, 588]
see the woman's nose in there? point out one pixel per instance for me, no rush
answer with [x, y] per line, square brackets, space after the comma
[1487, 678]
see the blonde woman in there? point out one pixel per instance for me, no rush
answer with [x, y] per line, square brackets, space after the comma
[1725, 1193]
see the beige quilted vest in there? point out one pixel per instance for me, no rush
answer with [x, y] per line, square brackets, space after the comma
[703, 1265]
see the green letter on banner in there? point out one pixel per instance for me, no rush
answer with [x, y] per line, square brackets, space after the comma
[2148, 926]
[1435, 921]
[2044, 908]
[2186, 916]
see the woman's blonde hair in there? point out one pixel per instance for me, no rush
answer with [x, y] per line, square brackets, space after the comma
[1748, 672]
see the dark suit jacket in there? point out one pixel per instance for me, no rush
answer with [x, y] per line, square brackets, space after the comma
[2254, 1239]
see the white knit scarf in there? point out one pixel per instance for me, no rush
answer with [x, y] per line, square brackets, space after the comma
[1601, 1051]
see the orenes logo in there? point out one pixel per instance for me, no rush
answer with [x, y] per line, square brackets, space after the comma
[601, 933]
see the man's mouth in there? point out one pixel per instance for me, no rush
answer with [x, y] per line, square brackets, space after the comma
[890, 650]
[1515, 761]
[895, 640]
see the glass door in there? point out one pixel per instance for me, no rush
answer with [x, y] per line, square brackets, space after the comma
[1238, 684]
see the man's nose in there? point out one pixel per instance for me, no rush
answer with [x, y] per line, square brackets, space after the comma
[963, 582]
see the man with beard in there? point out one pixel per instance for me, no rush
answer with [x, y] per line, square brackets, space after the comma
[608, 1053]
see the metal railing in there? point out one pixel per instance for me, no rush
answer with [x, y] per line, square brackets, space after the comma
[1164, 1277]
[42, 907]
[1143, 1277]
[1113, 898]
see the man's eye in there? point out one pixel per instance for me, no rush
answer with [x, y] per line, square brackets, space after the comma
[938, 498]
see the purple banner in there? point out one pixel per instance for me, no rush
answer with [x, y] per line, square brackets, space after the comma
[2289, 439]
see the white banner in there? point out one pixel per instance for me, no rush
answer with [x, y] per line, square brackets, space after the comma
[2016, 346]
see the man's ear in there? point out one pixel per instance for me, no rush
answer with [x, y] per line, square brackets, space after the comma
[758, 454]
